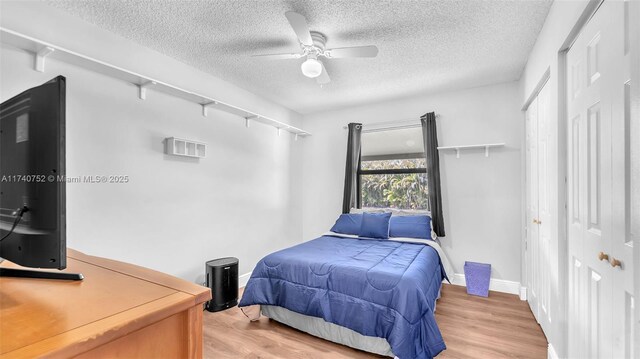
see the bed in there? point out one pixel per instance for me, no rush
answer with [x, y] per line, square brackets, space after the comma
[371, 294]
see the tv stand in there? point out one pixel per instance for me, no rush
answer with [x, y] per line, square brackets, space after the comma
[118, 310]
[24, 273]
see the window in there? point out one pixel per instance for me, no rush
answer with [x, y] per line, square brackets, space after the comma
[391, 173]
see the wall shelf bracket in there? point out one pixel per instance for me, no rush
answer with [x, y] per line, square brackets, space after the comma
[41, 55]
[142, 89]
[248, 119]
[206, 105]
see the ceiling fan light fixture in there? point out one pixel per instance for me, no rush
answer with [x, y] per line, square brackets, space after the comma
[311, 68]
[312, 45]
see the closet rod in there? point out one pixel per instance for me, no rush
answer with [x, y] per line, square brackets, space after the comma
[391, 125]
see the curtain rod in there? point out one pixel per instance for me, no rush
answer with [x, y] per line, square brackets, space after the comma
[391, 125]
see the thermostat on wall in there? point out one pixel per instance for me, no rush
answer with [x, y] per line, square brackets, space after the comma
[188, 148]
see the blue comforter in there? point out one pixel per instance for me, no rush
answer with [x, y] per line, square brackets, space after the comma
[377, 288]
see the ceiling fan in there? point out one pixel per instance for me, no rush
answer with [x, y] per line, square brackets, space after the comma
[312, 45]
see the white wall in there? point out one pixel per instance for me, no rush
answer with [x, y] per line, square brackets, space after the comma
[243, 200]
[560, 22]
[481, 196]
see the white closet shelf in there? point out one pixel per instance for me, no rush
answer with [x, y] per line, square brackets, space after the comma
[43, 50]
[486, 147]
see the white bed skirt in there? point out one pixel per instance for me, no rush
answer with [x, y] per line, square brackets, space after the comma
[329, 331]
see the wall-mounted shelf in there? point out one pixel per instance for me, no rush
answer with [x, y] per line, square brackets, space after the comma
[187, 148]
[43, 51]
[469, 147]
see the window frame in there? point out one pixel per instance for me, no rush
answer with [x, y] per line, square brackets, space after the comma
[399, 156]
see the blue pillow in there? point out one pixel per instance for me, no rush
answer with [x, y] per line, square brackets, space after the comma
[375, 225]
[410, 227]
[348, 224]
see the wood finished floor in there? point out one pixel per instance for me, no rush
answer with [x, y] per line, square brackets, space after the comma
[500, 326]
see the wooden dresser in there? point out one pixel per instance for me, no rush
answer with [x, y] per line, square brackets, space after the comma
[119, 310]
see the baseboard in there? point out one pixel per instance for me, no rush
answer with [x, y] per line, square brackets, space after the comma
[551, 352]
[523, 293]
[243, 279]
[498, 285]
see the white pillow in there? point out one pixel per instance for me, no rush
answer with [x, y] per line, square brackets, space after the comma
[409, 212]
[394, 211]
[368, 210]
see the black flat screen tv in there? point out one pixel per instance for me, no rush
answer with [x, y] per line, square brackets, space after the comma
[32, 182]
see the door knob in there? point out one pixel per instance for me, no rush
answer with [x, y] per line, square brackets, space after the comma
[603, 256]
[536, 221]
[615, 263]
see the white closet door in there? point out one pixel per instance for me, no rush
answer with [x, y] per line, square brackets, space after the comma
[533, 277]
[545, 246]
[538, 208]
[625, 212]
[596, 188]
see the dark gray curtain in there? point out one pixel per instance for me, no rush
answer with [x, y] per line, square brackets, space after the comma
[430, 139]
[351, 192]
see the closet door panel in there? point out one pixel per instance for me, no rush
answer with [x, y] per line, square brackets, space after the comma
[625, 211]
[539, 217]
[596, 188]
[546, 243]
[532, 209]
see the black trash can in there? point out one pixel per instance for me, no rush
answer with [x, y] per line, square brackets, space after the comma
[222, 279]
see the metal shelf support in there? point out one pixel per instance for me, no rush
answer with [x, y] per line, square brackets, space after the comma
[41, 55]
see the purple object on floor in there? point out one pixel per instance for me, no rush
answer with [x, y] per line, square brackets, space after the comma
[477, 276]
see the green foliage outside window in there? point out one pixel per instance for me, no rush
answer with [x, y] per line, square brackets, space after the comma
[404, 191]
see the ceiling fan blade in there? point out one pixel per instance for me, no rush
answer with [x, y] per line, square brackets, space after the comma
[299, 25]
[324, 76]
[356, 51]
[279, 56]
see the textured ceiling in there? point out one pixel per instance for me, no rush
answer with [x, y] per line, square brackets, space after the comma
[425, 46]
